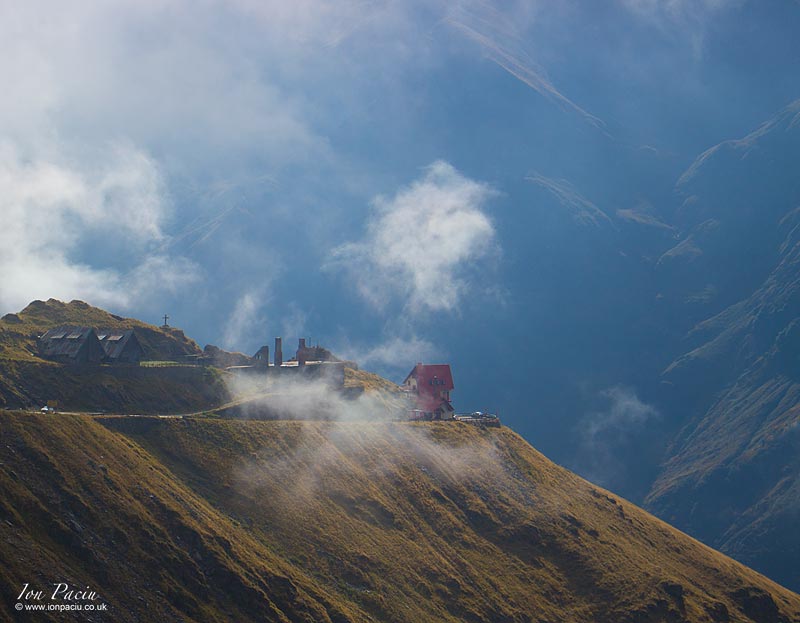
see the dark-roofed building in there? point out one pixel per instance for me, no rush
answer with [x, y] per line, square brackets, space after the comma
[120, 346]
[70, 344]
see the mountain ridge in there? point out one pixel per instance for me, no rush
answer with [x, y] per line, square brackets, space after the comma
[349, 521]
[565, 550]
[730, 475]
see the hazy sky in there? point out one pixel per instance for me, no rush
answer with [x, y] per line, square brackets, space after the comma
[361, 173]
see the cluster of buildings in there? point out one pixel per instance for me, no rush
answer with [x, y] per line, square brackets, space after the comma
[304, 355]
[428, 386]
[311, 361]
[87, 345]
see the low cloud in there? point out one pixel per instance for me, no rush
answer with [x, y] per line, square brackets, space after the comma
[419, 242]
[322, 462]
[294, 474]
[291, 396]
[625, 414]
[603, 434]
[248, 312]
[294, 321]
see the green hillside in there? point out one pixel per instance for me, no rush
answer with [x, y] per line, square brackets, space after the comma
[222, 520]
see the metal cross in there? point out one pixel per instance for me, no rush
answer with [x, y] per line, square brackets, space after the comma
[165, 320]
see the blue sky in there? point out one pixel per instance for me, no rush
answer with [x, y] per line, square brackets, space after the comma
[378, 176]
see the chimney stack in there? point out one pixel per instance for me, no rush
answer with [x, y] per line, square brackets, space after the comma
[278, 353]
[301, 352]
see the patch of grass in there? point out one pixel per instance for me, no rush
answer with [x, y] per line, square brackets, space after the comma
[112, 389]
[84, 505]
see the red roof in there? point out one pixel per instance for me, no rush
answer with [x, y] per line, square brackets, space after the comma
[427, 372]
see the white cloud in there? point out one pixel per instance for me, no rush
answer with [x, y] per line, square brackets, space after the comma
[220, 84]
[624, 415]
[54, 209]
[393, 354]
[248, 312]
[419, 242]
[159, 274]
[192, 94]
[293, 321]
[604, 434]
[255, 312]
[196, 93]
[215, 85]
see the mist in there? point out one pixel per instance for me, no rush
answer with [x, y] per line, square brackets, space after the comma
[335, 428]
[607, 435]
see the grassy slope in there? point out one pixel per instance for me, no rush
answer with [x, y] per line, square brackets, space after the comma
[112, 389]
[26, 380]
[385, 393]
[18, 332]
[732, 477]
[84, 505]
[244, 520]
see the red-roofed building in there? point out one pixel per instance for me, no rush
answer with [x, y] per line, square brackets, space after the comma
[431, 385]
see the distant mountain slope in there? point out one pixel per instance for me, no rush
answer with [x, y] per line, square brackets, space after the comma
[732, 476]
[214, 520]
